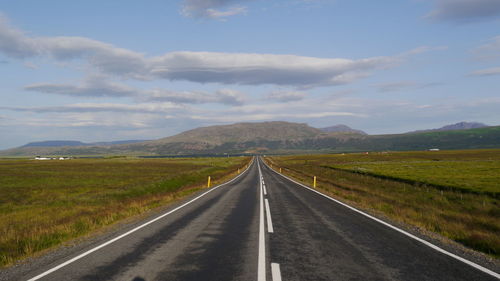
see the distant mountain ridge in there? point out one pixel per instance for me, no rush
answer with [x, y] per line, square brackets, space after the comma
[341, 129]
[453, 127]
[53, 143]
[274, 137]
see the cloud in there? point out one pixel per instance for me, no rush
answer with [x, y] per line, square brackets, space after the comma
[298, 111]
[79, 120]
[211, 9]
[486, 72]
[14, 43]
[465, 10]
[216, 14]
[100, 107]
[404, 85]
[258, 69]
[91, 87]
[97, 86]
[394, 86]
[223, 96]
[285, 96]
[272, 116]
[199, 67]
[488, 51]
[30, 65]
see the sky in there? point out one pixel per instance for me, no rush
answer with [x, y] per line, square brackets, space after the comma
[121, 69]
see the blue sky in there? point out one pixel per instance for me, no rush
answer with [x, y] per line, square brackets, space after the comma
[114, 70]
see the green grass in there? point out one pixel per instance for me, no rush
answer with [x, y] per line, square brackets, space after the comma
[453, 193]
[474, 176]
[44, 203]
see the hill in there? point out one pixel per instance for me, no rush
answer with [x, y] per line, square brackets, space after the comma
[234, 138]
[341, 129]
[52, 143]
[454, 127]
[277, 137]
[245, 132]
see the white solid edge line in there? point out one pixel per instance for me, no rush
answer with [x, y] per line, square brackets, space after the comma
[275, 271]
[429, 244]
[135, 229]
[261, 266]
[268, 217]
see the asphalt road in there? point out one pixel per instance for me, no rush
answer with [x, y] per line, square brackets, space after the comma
[260, 226]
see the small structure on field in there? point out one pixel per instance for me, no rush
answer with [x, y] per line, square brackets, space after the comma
[52, 158]
[42, 158]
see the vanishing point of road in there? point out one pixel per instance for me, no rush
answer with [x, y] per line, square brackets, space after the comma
[259, 226]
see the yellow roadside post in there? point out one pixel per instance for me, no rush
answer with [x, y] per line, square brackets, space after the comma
[314, 182]
[208, 183]
[280, 170]
[238, 170]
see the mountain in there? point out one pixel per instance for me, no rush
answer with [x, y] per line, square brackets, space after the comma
[52, 143]
[276, 137]
[341, 129]
[462, 126]
[244, 132]
[234, 138]
[105, 143]
[452, 127]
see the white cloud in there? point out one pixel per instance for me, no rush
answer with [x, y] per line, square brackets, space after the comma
[395, 86]
[404, 85]
[295, 111]
[486, 72]
[286, 96]
[465, 10]
[199, 67]
[100, 107]
[223, 96]
[79, 120]
[217, 14]
[106, 57]
[258, 69]
[94, 86]
[97, 86]
[211, 9]
[271, 116]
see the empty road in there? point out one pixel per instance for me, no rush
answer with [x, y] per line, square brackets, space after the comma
[261, 226]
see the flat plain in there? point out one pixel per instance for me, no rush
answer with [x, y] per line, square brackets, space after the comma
[452, 193]
[44, 203]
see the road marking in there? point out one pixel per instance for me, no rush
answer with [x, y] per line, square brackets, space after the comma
[261, 267]
[275, 271]
[135, 229]
[268, 216]
[264, 187]
[468, 262]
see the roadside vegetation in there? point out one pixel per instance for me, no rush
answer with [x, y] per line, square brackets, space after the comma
[44, 203]
[453, 193]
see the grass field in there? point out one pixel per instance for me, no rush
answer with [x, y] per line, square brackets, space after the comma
[44, 203]
[453, 193]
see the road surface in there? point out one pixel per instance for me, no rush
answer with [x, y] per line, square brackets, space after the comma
[261, 226]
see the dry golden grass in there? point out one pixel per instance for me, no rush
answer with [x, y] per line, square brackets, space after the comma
[44, 203]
